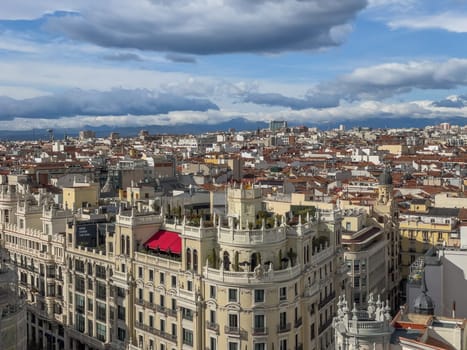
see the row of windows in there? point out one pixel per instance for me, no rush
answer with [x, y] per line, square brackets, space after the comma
[28, 244]
[80, 267]
[425, 235]
[173, 279]
[259, 294]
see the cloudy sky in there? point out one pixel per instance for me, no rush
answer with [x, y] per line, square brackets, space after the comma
[71, 63]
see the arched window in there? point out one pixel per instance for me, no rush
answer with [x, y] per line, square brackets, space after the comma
[226, 261]
[188, 259]
[195, 260]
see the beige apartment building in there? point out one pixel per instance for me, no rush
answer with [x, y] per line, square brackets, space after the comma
[245, 280]
[238, 282]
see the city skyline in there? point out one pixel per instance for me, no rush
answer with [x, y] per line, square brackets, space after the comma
[207, 62]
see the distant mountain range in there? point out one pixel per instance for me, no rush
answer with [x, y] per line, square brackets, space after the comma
[237, 124]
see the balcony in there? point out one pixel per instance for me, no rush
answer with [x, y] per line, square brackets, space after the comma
[165, 335]
[146, 328]
[171, 312]
[232, 330]
[162, 309]
[298, 322]
[285, 327]
[259, 331]
[212, 326]
[326, 300]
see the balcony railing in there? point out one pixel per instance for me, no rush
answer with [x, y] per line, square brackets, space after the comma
[212, 326]
[327, 299]
[171, 312]
[281, 328]
[260, 330]
[161, 309]
[152, 330]
[232, 330]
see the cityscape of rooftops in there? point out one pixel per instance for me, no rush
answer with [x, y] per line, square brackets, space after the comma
[239, 175]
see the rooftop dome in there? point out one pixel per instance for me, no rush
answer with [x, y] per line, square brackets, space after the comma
[423, 303]
[385, 178]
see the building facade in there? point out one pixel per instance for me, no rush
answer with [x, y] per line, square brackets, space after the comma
[138, 279]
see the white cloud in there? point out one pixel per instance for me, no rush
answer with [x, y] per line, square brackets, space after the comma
[452, 22]
[357, 111]
[27, 9]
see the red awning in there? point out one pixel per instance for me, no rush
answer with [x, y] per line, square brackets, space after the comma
[165, 241]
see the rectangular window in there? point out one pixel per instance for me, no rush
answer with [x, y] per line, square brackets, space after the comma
[101, 291]
[151, 275]
[260, 346]
[121, 292]
[189, 285]
[121, 312]
[100, 331]
[213, 344]
[151, 321]
[282, 320]
[174, 281]
[79, 303]
[259, 295]
[233, 321]
[162, 278]
[140, 272]
[79, 266]
[187, 314]
[233, 346]
[121, 334]
[79, 322]
[425, 236]
[212, 316]
[90, 304]
[101, 311]
[283, 344]
[212, 292]
[233, 294]
[187, 337]
[283, 293]
[100, 272]
[259, 323]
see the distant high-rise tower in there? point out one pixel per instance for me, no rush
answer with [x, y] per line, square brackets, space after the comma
[275, 125]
